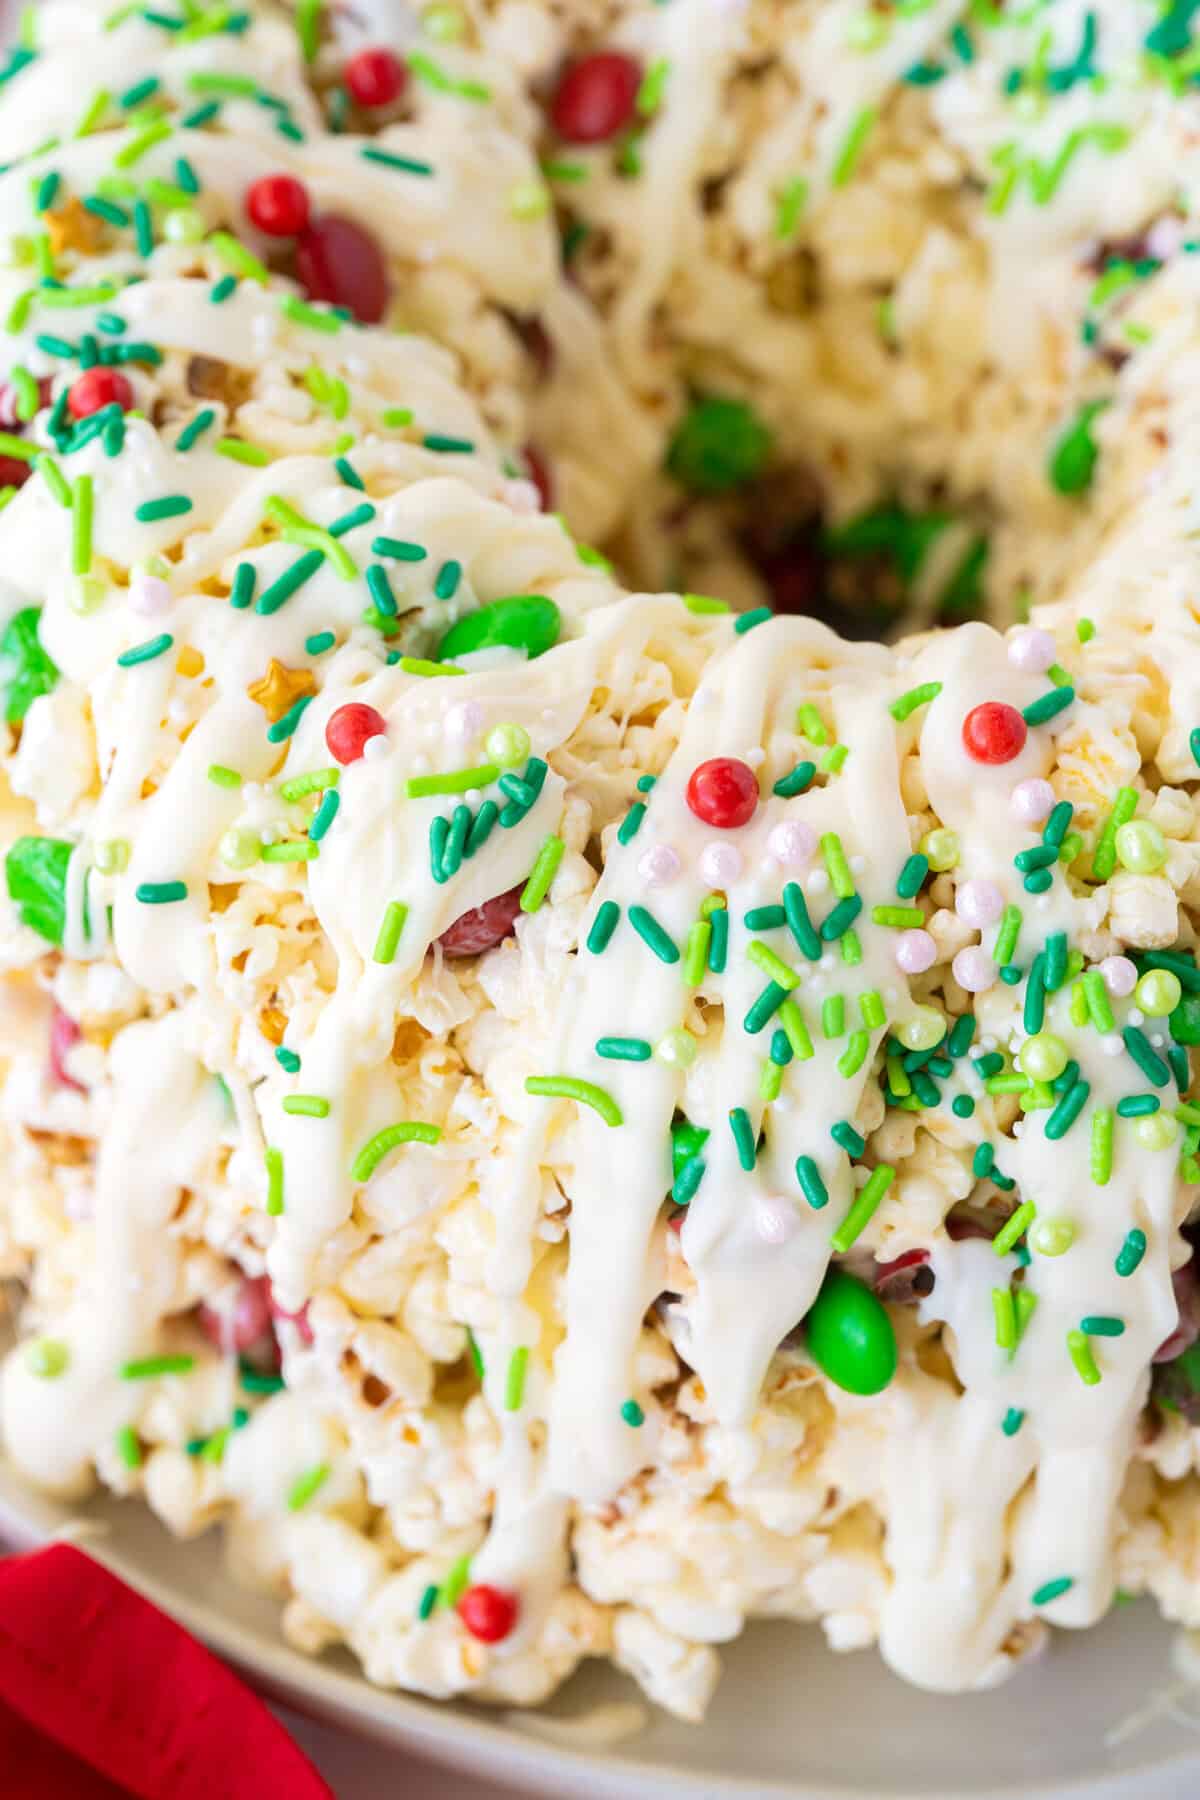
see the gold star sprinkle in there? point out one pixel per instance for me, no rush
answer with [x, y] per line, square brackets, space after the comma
[71, 227]
[279, 689]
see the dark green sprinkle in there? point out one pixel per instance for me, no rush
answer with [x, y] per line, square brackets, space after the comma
[170, 506]
[399, 549]
[1048, 706]
[743, 1137]
[1055, 966]
[160, 893]
[1145, 1056]
[481, 828]
[718, 944]
[1131, 1252]
[795, 909]
[1014, 1418]
[292, 579]
[319, 641]
[684, 1186]
[788, 786]
[221, 290]
[143, 228]
[603, 926]
[839, 921]
[325, 814]
[447, 446]
[764, 918]
[1138, 1106]
[927, 1091]
[362, 514]
[1055, 829]
[631, 823]
[381, 590]
[747, 621]
[845, 1136]
[912, 877]
[962, 1106]
[1178, 1060]
[195, 428]
[242, 591]
[348, 472]
[811, 1184]
[283, 728]
[764, 1007]
[781, 1050]
[446, 582]
[141, 653]
[1178, 964]
[1102, 1325]
[1035, 996]
[961, 1033]
[653, 935]
[1038, 856]
[1068, 1110]
[1038, 882]
[287, 1059]
[1064, 1082]
[982, 1161]
[624, 1049]
[439, 831]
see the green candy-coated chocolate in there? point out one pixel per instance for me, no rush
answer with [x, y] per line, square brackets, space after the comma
[1185, 1020]
[718, 445]
[528, 622]
[850, 1337]
[36, 871]
[26, 672]
[686, 1140]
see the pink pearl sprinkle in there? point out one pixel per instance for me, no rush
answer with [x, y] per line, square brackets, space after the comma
[464, 721]
[974, 969]
[792, 843]
[1033, 651]
[915, 952]
[659, 865]
[774, 1219]
[1120, 975]
[978, 903]
[720, 864]
[1032, 801]
[149, 595]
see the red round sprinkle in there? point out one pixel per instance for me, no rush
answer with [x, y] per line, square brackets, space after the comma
[376, 77]
[96, 388]
[484, 926]
[236, 1328]
[337, 261]
[489, 1613]
[277, 205]
[350, 727]
[723, 792]
[64, 1035]
[994, 732]
[596, 97]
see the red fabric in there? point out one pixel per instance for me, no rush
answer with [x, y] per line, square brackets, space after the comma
[102, 1697]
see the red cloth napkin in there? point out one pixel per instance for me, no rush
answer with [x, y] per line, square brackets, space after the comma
[103, 1697]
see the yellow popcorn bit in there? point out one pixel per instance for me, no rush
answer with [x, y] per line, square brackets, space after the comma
[279, 689]
[1091, 768]
[272, 1023]
[71, 227]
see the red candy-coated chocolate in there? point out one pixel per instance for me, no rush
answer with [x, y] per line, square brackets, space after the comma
[337, 261]
[237, 1328]
[539, 474]
[64, 1034]
[277, 205]
[376, 77]
[906, 1279]
[723, 792]
[298, 1319]
[96, 388]
[994, 732]
[484, 926]
[489, 1613]
[596, 97]
[14, 472]
[350, 727]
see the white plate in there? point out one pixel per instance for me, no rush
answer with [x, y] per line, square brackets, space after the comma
[790, 1719]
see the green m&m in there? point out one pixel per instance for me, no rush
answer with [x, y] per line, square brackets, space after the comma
[36, 872]
[850, 1337]
[26, 671]
[528, 622]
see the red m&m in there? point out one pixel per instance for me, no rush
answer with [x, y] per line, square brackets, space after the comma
[277, 205]
[96, 388]
[375, 77]
[596, 97]
[484, 926]
[994, 732]
[337, 261]
[723, 792]
[489, 1613]
[349, 729]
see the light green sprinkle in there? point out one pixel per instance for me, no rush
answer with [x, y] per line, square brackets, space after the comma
[1080, 1351]
[764, 958]
[514, 1379]
[544, 869]
[301, 313]
[846, 160]
[54, 478]
[306, 1486]
[789, 208]
[907, 704]
[1014, 1228]
[810, 723]
[455, 781]
[841, 880]
[47, 1358]
[221, 776]
[148, 1368]
[237, 450]
[796, 1031]
[129, 1449]
[393, 922]
[81, 533]
[899, 917]
[136, 146]
[273, 1158]
[1101, 1160]
[695, 959]
[307, 1106]
[855, 1054]
[585, 1093]
[376, 1148]
[864, 1208]
[234, 254]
